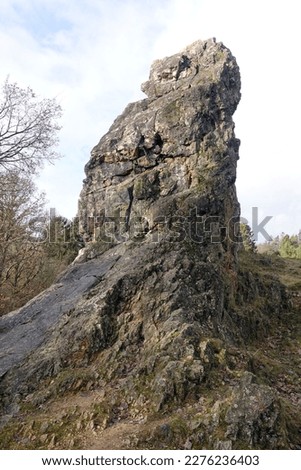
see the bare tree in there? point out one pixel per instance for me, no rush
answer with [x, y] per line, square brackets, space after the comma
[28, 129]
[34, 248]
[21, 257]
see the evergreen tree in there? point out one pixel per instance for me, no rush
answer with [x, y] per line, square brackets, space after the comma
[248, 238]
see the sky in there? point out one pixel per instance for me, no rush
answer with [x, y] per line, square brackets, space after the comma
[93, 55]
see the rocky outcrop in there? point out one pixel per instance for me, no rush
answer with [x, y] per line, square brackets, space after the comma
[171, 157]
[151, 316]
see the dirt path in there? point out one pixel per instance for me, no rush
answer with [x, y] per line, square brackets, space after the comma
[118, 436]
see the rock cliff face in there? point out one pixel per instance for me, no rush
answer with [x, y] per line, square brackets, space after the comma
[171, 158]
[149, 326]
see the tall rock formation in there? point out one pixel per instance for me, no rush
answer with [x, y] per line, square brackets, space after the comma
[171, 156]
[145, 320]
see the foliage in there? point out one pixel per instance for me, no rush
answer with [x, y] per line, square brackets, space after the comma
[247, 238]
[21, 258]
[287, 246]
[33, 250]
[63, 240]
[290, 247]
[28, 129]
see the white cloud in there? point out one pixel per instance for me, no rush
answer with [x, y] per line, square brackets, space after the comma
[93, 55]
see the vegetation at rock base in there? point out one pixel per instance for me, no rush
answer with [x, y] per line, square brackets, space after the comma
[286, 246]
[247, 238]
[34, 248]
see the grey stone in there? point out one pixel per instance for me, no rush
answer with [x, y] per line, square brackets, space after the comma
[25, 330]
[254, 416]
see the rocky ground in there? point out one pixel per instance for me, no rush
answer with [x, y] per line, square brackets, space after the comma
[249, 397]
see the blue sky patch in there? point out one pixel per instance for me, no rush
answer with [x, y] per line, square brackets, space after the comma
[41, 21]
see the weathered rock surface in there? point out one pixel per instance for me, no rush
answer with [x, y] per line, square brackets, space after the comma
[154, 316]
[23, 331]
